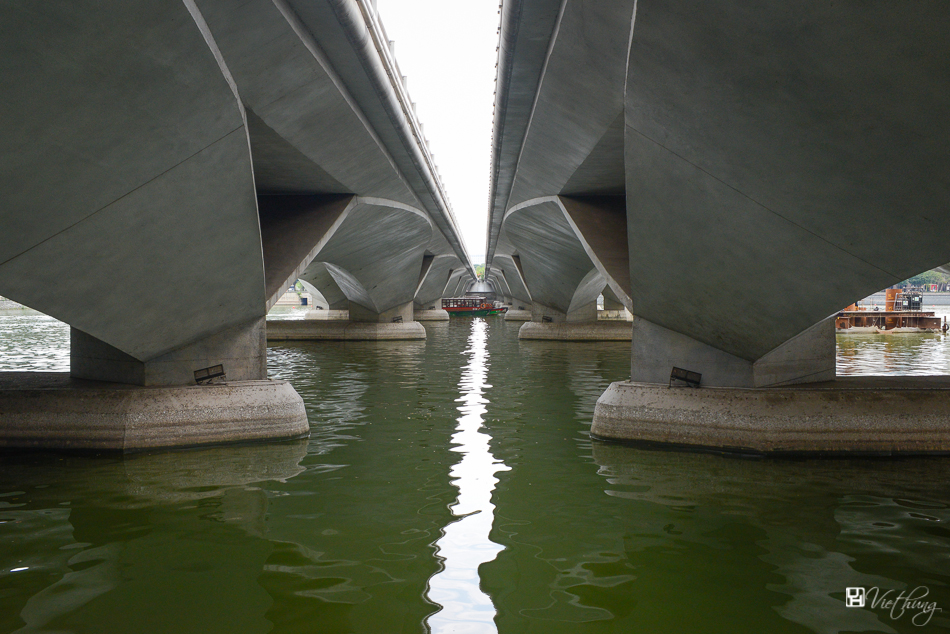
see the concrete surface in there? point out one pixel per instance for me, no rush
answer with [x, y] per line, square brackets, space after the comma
[431, 315]
[808, 357]
[762, 166]
[330, 315]
[374, 256]
[314, 330]
[53, 411]
[576, 331]
[850, 415]
[766, 144]
[124, 155]
[241, 350]
[518, 315]
[166, 177]
[199, 156]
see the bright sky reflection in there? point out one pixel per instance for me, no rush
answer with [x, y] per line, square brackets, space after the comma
[464, 544]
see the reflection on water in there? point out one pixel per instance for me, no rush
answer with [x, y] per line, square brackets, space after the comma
[439, 490]
[78, 538]
[896, 354]
[464, 544]
[786, 552]
[908, 354]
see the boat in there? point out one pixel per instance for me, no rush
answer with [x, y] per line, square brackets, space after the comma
[902, 314]
[472, 306]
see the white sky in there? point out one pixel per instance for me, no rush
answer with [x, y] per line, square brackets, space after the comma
[446, 48]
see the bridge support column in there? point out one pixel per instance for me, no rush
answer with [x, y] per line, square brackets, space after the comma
[111, 401]
[519, 311]
[432, 312]
[806, 358]
[579, 324]
[395, 324]
[786, 402]
[436, 314]
[614, 309]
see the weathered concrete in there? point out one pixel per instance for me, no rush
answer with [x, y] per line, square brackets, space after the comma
[518, 315]
[808, 357]
[328, 315]
[431, 315]
[55, 411]
[314, 330]
[400, 313]
[614, 315]
[198, 157]
[851, 415]
[576, 331]
[241, 350]
[757, 161]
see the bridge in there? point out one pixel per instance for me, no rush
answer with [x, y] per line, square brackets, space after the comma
[733, 174]
[200, 156]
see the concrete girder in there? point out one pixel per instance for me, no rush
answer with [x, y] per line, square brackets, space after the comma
[600, 224]
[579, 98]
[319, 299]
[318, 121]
[767, 170]
[355, 44]
[167, 240]
[547, 128]
[461, 286]
[506, 267]
[294, 229]
[553, 260]
[556, 260]
[320, 277]
[497, 280]
[442, 270]
[308, 132]
[374, 253]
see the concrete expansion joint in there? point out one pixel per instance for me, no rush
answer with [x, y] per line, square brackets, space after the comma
[849, 416]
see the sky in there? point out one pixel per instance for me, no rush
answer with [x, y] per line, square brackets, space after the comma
[446, 48]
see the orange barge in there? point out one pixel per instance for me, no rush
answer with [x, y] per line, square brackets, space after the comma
[902, 314]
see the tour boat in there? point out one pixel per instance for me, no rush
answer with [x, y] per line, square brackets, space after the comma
[471, 306]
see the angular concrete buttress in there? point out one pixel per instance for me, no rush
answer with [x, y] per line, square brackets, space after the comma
[130, 213]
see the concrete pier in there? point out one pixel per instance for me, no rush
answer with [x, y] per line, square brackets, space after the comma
[431, 315]
[577, 331]
[316, 330]
[847, 416]
[328, 315]
[518, 315]
[52, 411]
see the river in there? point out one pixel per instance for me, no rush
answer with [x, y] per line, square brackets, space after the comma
[451, 486]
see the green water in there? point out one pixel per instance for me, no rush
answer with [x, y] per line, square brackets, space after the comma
[451, 486]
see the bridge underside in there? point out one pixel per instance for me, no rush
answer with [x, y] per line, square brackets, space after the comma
[774, 166]
[164, 179]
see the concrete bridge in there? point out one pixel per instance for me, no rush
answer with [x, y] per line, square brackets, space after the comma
[733, 174]
[200, 155]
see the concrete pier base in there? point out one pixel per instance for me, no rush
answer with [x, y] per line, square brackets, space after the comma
[848, 416]
[431, 315]
[317, 330]
[51, 410]
[328, 315]
[518, 315]
[577, 331]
